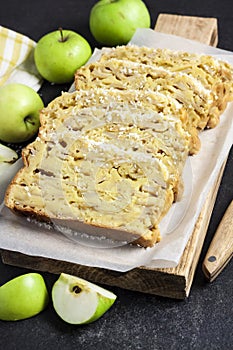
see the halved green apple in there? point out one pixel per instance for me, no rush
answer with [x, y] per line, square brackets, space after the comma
[23, 297]
[7, 157]
[78, 301]
[9, 165]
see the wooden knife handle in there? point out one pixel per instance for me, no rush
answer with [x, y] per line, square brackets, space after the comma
[221, 248]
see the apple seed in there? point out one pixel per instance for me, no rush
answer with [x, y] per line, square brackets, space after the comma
[77, 289]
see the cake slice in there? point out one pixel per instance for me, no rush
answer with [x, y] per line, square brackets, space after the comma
[215, 75]
[152, 114]
[124, 75]
[159, 114]
[100, 171]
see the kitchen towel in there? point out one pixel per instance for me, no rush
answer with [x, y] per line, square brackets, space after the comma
[17, 59]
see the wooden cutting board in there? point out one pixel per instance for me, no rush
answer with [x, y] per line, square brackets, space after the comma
[170, 282]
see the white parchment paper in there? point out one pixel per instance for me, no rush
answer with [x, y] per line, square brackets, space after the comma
[16, 234]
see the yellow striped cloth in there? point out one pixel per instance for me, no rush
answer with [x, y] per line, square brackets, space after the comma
[16, 59]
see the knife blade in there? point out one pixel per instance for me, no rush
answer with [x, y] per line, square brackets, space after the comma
[220, 250]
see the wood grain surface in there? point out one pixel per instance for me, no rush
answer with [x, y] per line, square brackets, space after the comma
[204, 30]
[220, 250]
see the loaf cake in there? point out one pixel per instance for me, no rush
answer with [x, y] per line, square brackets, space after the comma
[109, 157]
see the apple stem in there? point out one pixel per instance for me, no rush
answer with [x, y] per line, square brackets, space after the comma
[28, 119]
[62, 39]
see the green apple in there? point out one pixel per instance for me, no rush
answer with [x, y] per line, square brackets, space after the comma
[78, 301]
[7, 157]
[23, 297]
[59, 54]
[113, 22]
[20, 107]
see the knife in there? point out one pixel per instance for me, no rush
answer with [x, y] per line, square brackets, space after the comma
[221, 247]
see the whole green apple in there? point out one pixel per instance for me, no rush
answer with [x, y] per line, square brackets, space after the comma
[20, 107]
[59, 54]
[78, 301]
[113, 22]
[23, 297]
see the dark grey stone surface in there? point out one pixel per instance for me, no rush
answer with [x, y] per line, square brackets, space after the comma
[136, 321]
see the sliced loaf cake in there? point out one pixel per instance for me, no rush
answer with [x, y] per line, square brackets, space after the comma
[109, 157]
[214, 74]
[103, 168]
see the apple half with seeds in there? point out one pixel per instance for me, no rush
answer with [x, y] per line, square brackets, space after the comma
[9, 165]
[78, 301]
[7, 157]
